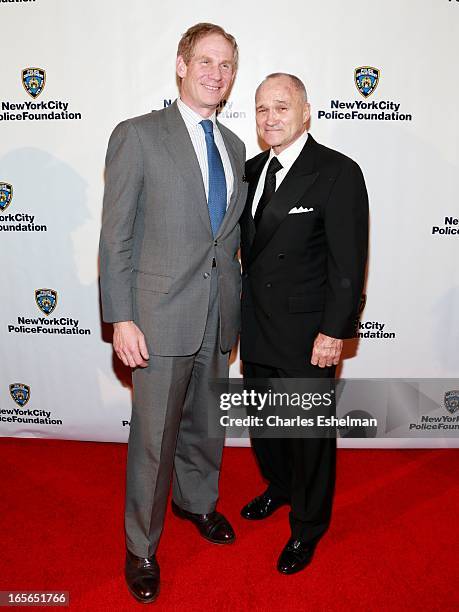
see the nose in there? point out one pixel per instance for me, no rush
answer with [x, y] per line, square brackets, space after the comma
[271, 118]
[215, 72]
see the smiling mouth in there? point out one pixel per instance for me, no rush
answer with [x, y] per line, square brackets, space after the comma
[210, 88]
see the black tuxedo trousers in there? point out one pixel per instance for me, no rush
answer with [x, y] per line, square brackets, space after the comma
[298, 470]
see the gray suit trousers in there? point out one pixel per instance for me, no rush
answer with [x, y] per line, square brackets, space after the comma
[168, 434]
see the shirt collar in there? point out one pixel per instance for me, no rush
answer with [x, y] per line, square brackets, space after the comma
[289, 155]
[191, 116]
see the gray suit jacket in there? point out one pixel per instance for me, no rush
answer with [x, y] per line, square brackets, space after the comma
[156, 244]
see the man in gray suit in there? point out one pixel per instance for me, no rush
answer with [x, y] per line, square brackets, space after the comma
[170, 284]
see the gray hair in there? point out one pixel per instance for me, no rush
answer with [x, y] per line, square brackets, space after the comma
[297, 83]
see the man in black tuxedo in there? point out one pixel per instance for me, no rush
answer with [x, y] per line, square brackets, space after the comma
[304, 248]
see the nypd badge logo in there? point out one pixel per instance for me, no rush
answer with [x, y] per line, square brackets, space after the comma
[46, 300]
[452, 401]
[366, 80]
[33, 80]
[20, 394]
[6, 195]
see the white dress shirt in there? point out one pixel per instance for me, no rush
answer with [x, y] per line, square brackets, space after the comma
[287, 158]
[192, 120]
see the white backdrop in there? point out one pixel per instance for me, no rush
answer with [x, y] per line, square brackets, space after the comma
[109, 60]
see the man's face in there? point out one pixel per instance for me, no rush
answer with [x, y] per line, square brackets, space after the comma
[208, 75]
[281, 113]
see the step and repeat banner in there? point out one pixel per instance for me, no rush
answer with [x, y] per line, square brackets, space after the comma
[382, 84]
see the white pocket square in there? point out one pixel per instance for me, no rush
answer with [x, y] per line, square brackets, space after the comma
[299, 209]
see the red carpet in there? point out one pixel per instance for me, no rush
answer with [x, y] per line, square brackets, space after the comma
[393, 544]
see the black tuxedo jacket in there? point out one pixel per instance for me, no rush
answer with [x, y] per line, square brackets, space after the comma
[303, 273]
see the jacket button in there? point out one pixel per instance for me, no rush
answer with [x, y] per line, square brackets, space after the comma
[215, 242]
[268, 285]
[206, 275]
[281, 256]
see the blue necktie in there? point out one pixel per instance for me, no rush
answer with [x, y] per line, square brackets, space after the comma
[216, 199]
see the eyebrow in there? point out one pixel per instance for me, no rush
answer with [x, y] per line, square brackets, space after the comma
[207, 57]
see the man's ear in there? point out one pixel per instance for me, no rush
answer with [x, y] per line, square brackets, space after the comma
[306, 112]
[180, 67]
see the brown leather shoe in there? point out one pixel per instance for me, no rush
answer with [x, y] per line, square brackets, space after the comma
[214, 527]
[142, 577]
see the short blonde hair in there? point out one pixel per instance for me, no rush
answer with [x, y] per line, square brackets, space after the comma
[194, 34]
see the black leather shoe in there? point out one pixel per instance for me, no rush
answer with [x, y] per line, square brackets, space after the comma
[295, 556]
[261, 507]
[142, 577]
[214, 527]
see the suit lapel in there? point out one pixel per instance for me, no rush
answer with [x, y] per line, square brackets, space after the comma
[301, 176]
[253, 171]
[178, 143]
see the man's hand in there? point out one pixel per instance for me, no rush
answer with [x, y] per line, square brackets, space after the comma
[129, 344]
[326, 351]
